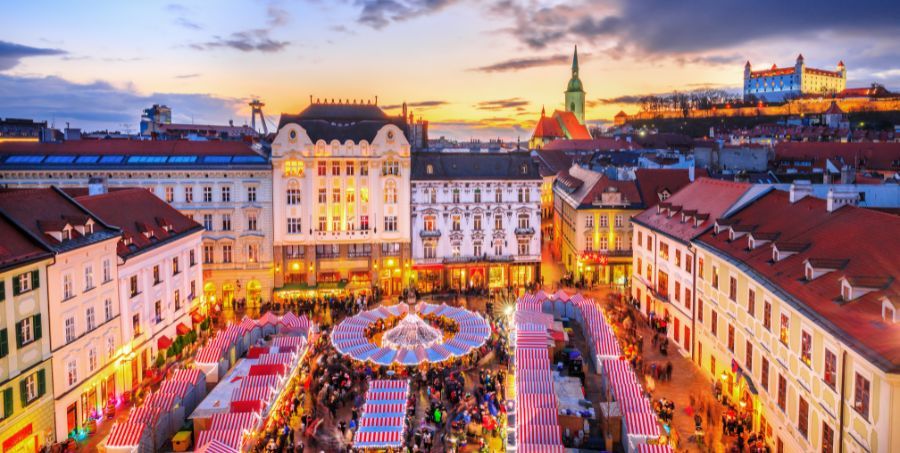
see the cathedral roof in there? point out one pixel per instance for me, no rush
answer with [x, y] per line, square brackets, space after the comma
[574, 129]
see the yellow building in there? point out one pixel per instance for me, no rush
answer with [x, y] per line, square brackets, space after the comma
[796, 317]
[26, 406]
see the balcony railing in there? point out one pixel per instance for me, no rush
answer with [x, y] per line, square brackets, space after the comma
[524, 231]
[430, 233]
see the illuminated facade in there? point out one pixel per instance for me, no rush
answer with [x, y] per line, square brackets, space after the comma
[224, 186]
[25, 366]
[476, 220]
[340, 181]
[780, 84]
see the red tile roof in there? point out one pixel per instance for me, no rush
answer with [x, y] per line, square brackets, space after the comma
[40, 211]
[704, 196]
[594, 144]
[136, 212]
[18, 247]
[861, 155]
[571, 126]
[129, 147]
[866, 239]
[547, 127]
[652, 182]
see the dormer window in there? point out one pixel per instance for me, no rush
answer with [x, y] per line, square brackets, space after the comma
[846, 291]
[809, 272]
[89, 228]
[429, 169]
[888, 311]
[127, 240]
[67, 233]
[775, 256]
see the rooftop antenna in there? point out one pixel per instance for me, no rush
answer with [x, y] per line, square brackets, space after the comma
[256, 109]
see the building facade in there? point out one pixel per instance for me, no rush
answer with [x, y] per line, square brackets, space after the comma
[476, 219]
[25, 365]
[159, 274]
[224, 186]
[340, 181]
[780, 84]
[83, 303]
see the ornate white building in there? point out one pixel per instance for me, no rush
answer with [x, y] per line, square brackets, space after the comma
[476, 220]
[778, 84]
[340, 181]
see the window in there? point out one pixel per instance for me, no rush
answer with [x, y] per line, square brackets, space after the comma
[323, 223]
[688, 264]
[732, 288]
[524, 195]
[208, 222]
[751, 302]
[830, 377]
[677, 292]
[226, 194]
[207, 194]
[476, 222]
[604, 242]
[455, 223]
[293, 197]
[175, 268]
[523, 221]
[390, 192]
[454, 249]
[157, 312]
[226, 222]
[455, 196]
[782, 392]
[192, 257]
[177, 298]
[110, 347]
[700, 310]
[476, 249]
[861, 396]
[68, 291]
[700, 268]
[156, 279]
[730, 337]
[136, 324]
[251, 194]
[170, 194]
[827, 438]
[208, 253]
[107, 309]
[351, 169]
[323, 195]
[335, 168]
[364, 169]
[432, 195]
[714, 322]
[226, 253]
[92, 359]
[253, 253]
[785, 328]
[293, 225]
[430, 223]
[748, 356]
[803, 416]
[71, 373]
[390, 167]
[663, 250]
[523, 247]
[89, 321]
[620, 220]
[321, 168]
[715, 277]
[498, 248]
[88, 277]
[767, 316]
[498, 195]
[498, 221]
[764, 374]
[589, 221]
[188, 194]
[70, 329]
[390, 223]
[107, 271]
[477, 195]
[604, 222]
[335, 195]
[678, 258]
[805, 347]
[430, 250]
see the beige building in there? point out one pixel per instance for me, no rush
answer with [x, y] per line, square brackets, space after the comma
[341, 202]
[27, 422]
[795, 311]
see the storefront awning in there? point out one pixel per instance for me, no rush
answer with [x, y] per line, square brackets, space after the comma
[182, 329]
[428, 267]
[163, 342]
[332, 286]
[295, 287]
[197, 317]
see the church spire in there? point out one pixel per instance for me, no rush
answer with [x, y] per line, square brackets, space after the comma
[575, 62]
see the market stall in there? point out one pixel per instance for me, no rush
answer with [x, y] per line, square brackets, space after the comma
[126, 437]
[382, 422]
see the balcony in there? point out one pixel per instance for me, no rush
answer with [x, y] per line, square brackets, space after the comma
[430, 233]
[524, 231]
[338, 235]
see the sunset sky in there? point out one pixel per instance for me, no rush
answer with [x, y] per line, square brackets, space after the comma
[478, 69]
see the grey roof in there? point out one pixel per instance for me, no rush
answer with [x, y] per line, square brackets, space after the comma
[342, 122]
[474, 166]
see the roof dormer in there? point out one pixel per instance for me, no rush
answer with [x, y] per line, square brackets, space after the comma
[723, 224]
[757, 239]
[662, 207]
[57, 229]
[737, 231]
[700, 219]
[889, 310]
[146, 230]
[817, 267]
[673, 209]
[164, 224]
[853, 288]
[782, 250]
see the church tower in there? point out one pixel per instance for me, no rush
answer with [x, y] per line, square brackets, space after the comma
[575, 92]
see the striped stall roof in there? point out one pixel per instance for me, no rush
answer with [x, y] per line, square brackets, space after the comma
[191, 375]
[125, 434]
[179, 388]
[238, 420]
[233, 438]
[216, 446]
[641, 424]
[382, 438]
[163, 401]
[242, 393]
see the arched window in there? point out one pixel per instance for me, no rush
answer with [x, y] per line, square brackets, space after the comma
[390, 192]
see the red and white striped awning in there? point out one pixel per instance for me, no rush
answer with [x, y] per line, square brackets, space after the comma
[179, 388]
[288, 341]
[645, 448]
[385, 384]
[125, 434]
[242, 393]
[538, 434]
[144, 415]
[378, 439]
[562, 295]
[537, 416]
[634, 403]
[384, 409]
[216, 446]
[641, 424]
[544, 400]
[387, 396]
[211, 353]
[248, 324]
[268, 318]
[163, 401]
[537, 448]
[534, 386]
[268, 381]
[190, 375]
[237, 420]
[536, 358]
[389, 421]
[282, 358]
[230, 437]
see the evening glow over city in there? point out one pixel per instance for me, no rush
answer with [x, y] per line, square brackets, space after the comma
[476, 69]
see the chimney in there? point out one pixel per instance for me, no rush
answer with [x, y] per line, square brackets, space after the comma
[800, 189]
[97, 186]
[839, 196]
[691, 173]
[848, 176]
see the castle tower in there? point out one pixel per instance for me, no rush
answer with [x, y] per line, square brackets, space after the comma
[575, 91]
